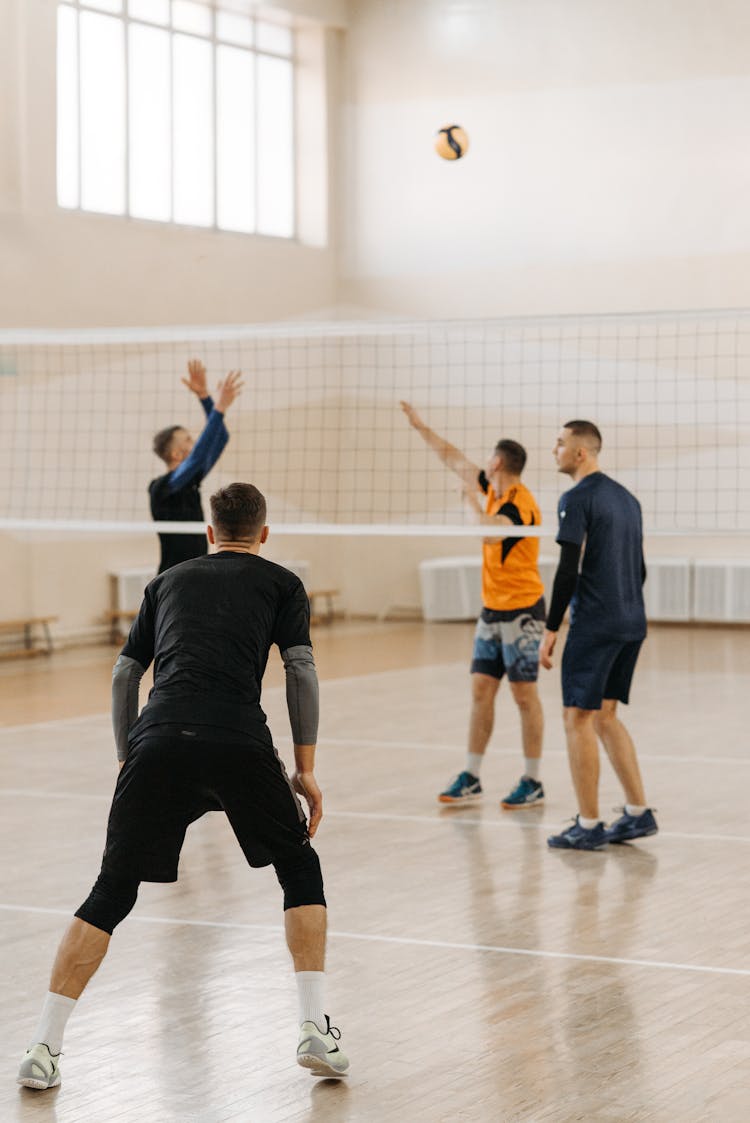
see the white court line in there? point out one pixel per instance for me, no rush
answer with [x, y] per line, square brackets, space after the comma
[405, 941]
[417, 746]
[456, 816]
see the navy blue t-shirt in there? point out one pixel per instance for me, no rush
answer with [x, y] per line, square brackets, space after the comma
[603, 517]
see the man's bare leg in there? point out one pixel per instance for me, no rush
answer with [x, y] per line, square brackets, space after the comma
[81, 950]
[318, 1050]
[306, 936]
[621, 752]
[583, 755]
[484, 690]
[526, 697]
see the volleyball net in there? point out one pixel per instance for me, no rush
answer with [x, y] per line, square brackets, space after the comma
[319, 430]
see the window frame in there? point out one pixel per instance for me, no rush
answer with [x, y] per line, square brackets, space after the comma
[215, 41]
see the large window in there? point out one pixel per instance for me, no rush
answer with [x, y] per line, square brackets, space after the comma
[175, 111]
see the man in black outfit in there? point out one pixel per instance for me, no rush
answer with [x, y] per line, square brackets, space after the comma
[201, 743]
[175, 496]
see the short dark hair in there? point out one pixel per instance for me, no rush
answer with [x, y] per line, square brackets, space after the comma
[163, 441]
[513, 454]
[588, 431]
[238, 513]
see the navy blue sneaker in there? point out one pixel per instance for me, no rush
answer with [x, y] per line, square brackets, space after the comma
[578, 838]
[628, 827]
[526, 793]
[464, 789]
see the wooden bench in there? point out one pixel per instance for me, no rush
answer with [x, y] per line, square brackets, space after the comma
[115, 617]
[25, 627]
[322, 594]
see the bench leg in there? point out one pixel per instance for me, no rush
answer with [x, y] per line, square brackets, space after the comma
[48, 637]
[27, 636]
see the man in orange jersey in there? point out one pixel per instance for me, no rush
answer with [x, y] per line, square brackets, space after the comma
[510, 627]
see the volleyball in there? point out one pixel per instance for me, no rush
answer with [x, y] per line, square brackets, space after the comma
[451, 142]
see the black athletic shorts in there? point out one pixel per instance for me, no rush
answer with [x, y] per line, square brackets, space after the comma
[595, 668]
[174, 774]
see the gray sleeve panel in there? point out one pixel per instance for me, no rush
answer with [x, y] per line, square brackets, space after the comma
[126, 677]
[301, 694]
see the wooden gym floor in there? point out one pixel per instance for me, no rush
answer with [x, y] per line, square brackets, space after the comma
[475, 974]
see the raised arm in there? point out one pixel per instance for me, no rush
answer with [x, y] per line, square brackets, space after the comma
[212, 441]
[451, 456]
[197, 383]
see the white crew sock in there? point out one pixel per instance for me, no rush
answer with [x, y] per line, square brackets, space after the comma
[634, 809]
[588, 824]
[310, 986]
[52, 1020]
[531, 765]
[474, 763]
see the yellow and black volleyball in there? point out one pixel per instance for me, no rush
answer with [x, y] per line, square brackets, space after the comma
[451, 142]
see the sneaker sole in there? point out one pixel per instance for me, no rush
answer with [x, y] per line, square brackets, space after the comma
[632, 837]
[522, 806]
[460, 801]
[318, 1067]
[37, 1085]
[558, 846]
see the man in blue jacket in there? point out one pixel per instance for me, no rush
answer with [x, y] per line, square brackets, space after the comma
[175, 496]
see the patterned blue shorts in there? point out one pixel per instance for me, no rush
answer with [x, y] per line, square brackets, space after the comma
[508, 643]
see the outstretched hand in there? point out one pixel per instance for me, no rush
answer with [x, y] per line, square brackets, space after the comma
[227, 390]
[196, 380]
[305, 784]
[411, 414]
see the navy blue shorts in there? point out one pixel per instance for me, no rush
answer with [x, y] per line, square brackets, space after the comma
[595, 668]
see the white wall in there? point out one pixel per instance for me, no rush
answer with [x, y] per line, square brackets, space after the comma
[70, 269]
[609, 167]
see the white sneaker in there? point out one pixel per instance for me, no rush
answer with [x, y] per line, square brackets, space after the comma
[318, 1051]
[39, 1068]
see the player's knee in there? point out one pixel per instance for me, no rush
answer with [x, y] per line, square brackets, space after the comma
[604, 718]
[109, 902]
[483, 689]
[574, 718]
[300, 877]
[525, 695]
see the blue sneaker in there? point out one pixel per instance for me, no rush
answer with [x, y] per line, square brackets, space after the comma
[526, 793]
[628, 827]
[578, 838]
[464, 789]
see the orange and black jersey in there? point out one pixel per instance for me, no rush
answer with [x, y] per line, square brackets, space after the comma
[510, 573]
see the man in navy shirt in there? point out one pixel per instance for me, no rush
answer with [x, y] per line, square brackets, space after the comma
[607, 627]
[175, 496]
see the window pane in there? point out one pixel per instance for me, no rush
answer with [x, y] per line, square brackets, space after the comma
[274, 37]
[102, 114]
[188, 16]
[235, 119]
[67, 107]
[155, 11]
[275, 147]
[150, 156]
[234, 28]
[104, 5]
[192, 83]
